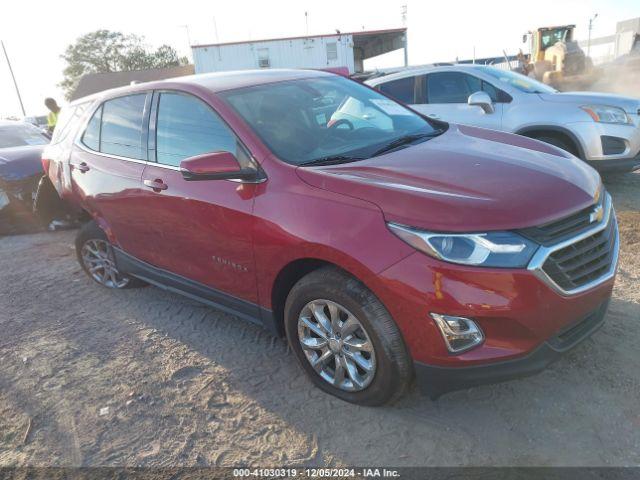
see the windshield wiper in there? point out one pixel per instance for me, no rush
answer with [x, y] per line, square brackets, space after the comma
[405, 140]
[399, 142]
[331, 160]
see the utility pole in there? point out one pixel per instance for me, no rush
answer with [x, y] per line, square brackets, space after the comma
[306, 22]
[15, 84]
[186, 27]
[590, 27]
[215, 27]
[404, 24]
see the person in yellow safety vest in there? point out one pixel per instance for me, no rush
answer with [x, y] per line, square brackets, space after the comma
[52, 118]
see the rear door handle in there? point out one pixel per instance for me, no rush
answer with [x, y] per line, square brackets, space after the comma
[156, 185]
[83, 167]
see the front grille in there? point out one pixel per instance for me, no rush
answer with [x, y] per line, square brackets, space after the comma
[563, 229]
[584, 261]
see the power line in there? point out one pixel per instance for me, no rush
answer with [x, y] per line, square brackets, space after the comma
[15, 84]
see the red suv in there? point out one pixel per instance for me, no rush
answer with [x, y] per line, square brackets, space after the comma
[386, 246]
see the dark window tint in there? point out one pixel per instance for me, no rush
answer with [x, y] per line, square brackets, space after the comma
[91, 135]
[491, 90]
[453, 87]
[186, 127]
[122, 126]
[474, 84]
[402, 89]
[450, 87]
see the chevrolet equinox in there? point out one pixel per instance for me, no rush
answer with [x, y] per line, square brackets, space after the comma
[386, 246]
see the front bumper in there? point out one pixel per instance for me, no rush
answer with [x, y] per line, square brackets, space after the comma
[590, 136]
[526, 317]
[616, 166]
[435, 380]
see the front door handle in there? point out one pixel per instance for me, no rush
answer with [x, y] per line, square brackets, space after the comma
[83, 167]
[156, 185]
[433, 115]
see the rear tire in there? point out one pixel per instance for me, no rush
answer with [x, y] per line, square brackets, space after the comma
[360, 337]
[96, 257]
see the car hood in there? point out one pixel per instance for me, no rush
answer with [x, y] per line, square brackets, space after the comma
[628, 104]
[17, 163]
[467, 179]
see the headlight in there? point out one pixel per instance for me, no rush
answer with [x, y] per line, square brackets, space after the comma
[492, 249]
[605, 114]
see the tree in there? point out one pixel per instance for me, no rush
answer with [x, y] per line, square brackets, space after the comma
[105, 51]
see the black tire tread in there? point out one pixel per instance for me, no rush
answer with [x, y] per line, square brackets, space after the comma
[91, 230]
[337, 282]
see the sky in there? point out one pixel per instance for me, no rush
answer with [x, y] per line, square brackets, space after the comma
[36, 32]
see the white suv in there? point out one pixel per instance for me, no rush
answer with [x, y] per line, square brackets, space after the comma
[601, 129]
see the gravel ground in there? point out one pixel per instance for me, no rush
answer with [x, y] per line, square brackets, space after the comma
[142, 377]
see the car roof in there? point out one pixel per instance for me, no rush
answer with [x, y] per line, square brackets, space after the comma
[214, 82]
[411, 71]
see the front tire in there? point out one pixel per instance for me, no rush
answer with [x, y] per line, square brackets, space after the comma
[96, 257]
[558, 142]
[345, 340]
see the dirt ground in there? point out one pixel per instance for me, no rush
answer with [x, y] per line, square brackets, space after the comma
[142, 377]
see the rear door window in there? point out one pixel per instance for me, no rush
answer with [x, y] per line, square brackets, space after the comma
[121, 132]
[402, 89]
[187, 127]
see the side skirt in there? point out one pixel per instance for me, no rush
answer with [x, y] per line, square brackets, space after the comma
[196, 291]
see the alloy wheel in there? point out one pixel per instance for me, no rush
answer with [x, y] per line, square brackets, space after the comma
[97, 256]
[336, 345]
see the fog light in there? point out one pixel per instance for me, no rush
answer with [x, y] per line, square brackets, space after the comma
[459, 333]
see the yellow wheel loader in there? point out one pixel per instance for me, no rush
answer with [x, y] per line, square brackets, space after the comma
[557, 60]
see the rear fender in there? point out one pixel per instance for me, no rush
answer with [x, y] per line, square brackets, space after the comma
[48, 205]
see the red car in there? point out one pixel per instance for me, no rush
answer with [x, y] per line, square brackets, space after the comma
[384, 245]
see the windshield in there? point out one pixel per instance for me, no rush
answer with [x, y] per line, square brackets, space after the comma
[550, 37]
[308, 120]
[21, 135]
[521, 82]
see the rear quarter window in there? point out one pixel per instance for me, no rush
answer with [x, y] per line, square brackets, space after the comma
[68, 121]
[91, 135]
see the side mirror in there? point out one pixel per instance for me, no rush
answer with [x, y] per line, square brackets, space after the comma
[482, 100]
[214, 166]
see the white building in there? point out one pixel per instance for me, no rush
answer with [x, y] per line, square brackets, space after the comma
[314, 51]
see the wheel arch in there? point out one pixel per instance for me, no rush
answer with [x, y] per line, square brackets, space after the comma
[289, 275]
[554, 130]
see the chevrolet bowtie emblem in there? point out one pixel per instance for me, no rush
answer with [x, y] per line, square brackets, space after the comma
[596, 215]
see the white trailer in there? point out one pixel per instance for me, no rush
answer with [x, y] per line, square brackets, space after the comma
[315, 51]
